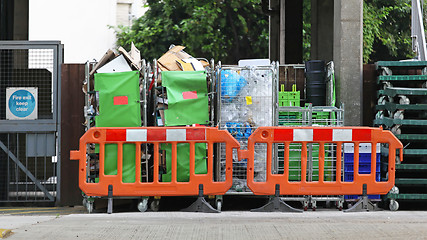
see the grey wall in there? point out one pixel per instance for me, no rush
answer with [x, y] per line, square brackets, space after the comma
[336, 34]
[348, 57]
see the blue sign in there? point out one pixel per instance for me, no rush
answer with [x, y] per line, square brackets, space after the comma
[22, 103]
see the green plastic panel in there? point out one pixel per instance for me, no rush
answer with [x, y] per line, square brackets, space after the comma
[119, 99]
[187, 98]
[183, 161]
[119, 106]
[128, 166]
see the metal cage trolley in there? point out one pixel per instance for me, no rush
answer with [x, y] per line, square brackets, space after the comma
[246, 100]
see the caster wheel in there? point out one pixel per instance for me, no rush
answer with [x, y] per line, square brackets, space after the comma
[305, 208]
[314, 209]
[387, 85]
[89, 206]
[398, 115]
[394, 190]
[394, 205]
[143, 205]
[340, 209]
[396, 129]
[382, 100]
[155, 205]
[379, 115]
[219, 205]
[404, 100]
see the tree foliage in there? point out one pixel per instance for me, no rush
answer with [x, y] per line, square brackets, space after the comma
[226, 30]
[229, 30]
[387, 30]
[306, 30]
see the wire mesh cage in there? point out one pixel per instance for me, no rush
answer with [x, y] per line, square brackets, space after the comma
[245, 100]
[29, 134]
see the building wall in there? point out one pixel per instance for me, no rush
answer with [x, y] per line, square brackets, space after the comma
[81, 25]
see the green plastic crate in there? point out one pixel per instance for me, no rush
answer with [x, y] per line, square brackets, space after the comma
[290, 118]
[289, 98]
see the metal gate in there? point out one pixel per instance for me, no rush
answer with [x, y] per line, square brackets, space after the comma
[29, 120]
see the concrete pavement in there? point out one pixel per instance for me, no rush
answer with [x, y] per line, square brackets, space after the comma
[226, 225]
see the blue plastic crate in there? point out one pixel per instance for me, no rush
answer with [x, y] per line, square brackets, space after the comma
[348, 176]
[355, 197]
[363, 167]
[363, 157]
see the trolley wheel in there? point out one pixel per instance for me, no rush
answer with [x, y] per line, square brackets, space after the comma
[305, 204]
[89, 206]
[396, 129]
[155, 204]
[340, 204]
[314, 208]
[219, 205]
[404, 100]
[393, 205]
[143, 205]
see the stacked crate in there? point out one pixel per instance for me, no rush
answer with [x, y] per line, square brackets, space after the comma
[289, 98]
[402, 108]
[364, 165]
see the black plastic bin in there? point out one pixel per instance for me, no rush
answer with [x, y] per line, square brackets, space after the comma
[315, 74]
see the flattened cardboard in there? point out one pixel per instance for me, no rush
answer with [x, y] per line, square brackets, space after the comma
[167, 62]
[108, 56]
[133, 57]
[118, 64]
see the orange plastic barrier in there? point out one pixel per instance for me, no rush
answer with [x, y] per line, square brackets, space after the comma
[155, 136]
[321, 135]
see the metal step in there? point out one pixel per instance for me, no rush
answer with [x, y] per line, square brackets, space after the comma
[389, 122]
[393, 91]
[411, 166]
[411, 136]
[408, 196]
[411, 181]
[393, 107]
[414, 151]
[402, 64]
[384, 151]
[402, 78]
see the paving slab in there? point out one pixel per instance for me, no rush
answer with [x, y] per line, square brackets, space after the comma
[226, 225]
